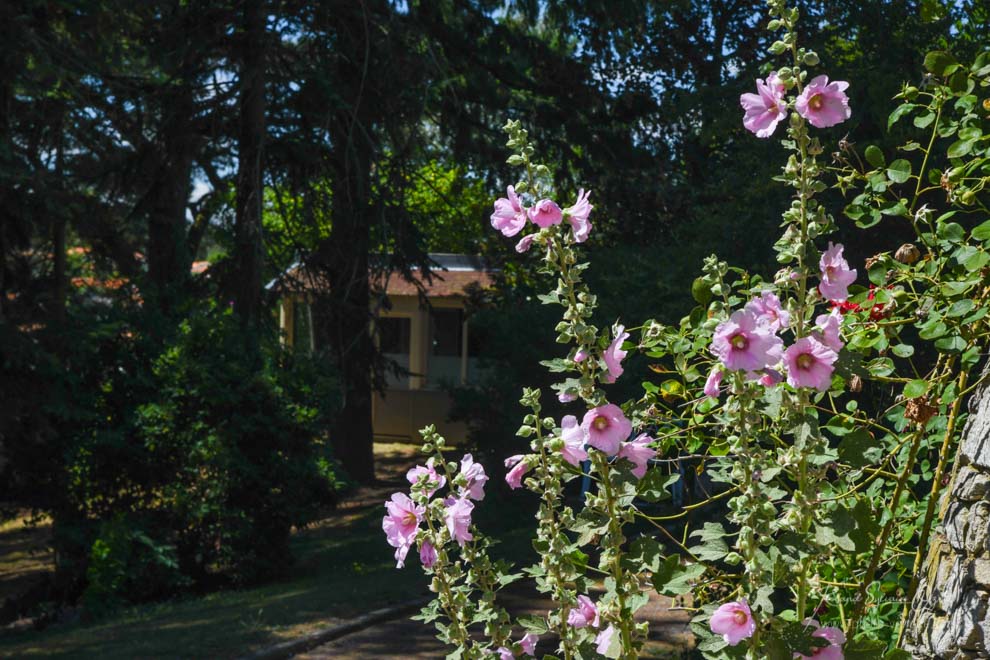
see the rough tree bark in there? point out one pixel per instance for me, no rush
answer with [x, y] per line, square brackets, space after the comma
[949, 617]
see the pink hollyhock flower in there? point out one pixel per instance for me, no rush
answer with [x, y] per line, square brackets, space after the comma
[517, 468]
[713, 381]
[836, 274]
[427, 554]
[574, 438]
[614, 354]
[580, 356]
[771, 377]
[836, 638]
[401, 524]
[474, 475]
[605, 427]
[564, 397]
[765, 108]
[458, 519]
[545, 213]
[604, 639]
[528, 643]
[743, 343]
[509, 216]
[584, 614]
[828, 329]
[433, 480]
[809, 364]
[525, 243]
[824, 103]
[504, 653]
[639, 453]
[769, 311]
[578, 214]
[734, 622]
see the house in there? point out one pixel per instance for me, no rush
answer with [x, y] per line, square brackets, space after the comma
[429, 339]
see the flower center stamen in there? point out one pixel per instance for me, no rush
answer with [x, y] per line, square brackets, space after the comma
[740, 618]
[816, 102]
[739, 341]
[804, 361]
[600, 423]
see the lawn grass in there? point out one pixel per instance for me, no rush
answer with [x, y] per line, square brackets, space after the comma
[344, 567]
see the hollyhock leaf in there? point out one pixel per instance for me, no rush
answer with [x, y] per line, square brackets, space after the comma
[899, 171]
[792, 637]
[859, 449]
[644, 553]
[899, 112]
[874, 156]
[835, 530]
[654, 486]
[915, 388]
[533, 624]
[672, 579]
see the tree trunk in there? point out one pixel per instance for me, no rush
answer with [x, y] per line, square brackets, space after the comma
[247, 274]
[949, 617]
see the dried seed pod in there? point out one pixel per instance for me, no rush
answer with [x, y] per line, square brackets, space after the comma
[855, 384]
[907, 254]
[918, 410]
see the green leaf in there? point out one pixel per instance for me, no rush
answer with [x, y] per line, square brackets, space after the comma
[874, 156]
[981, 232]
[903, 350]
[953, 344]
[925, 120]
[961, 308]
[863, 649]
[653, 487]
[960, 148]
[899, 112]
[915, 388]
[899, 171]
[533, 624]
[672, 579]
[939, 62]
[713, 547]
[859, 449]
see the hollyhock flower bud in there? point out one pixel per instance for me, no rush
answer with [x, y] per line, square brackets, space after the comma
[771, 378]
[432, 480]
[639, 453]
[401, 524]
[824, 103]
[517, 468]
[766, 108]
[525, 243]
[828, 329]
[580, 356]
[574, 439]
[528, 643]
[836, 274]
[836, 638]
[713, 382]
[509, 216]
[769, 311]
[457, 516]
[545, 213]
[474, 475]
[504, 653]
[734, 622]
[564, 397]
[743, 343]
[604, 639]
[427, 554]
[605, 427]
[809, 364]
[614, 354]
[578, 214]
[584, 614]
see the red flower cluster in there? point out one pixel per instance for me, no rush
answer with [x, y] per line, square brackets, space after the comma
[877, 311]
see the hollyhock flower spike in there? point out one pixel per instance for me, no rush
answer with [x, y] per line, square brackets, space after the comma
[434, 481]
[509, 216]
[769, 311]
[401, 524]
[458, 519]
[604, 639]
[713, 382]
[836, 638]
[809, 364]
[836, 274]
[614, 354]
[545, 213]
[517, 468]
[605, 427]
[639, 453]
[578, 214]
[743, 343]
[574, 439]
[528, 643]
[824, 103]
[765, 108]
[584, 614]
[474, 475]
[733, 621]
[427, 554]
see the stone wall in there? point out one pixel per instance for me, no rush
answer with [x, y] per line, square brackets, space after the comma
[949, 616]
